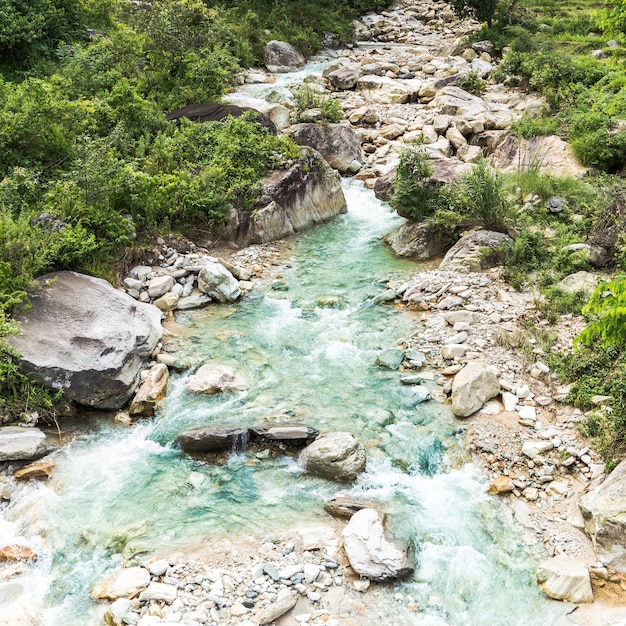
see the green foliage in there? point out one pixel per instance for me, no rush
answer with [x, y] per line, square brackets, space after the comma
[526, 253]
[482, 10]
[528, 127]
[614, 20]
[481, 197]
[607, 308]
[415, 197]
[473, 83]
[308, 98]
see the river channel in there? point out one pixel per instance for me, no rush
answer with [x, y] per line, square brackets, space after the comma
[307, 344]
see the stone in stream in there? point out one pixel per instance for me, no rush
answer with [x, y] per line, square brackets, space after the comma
[391, 358]
[22, 444]
[417, 240]
[35, 471]
[193, 301]
[87, 338]
[280, 56]
[152, 391]
[345, 508]
[121, 583]
[214, 378]
[290, 435]
[418, 395]
[17, 553]
[565, 578]
[472, 387]
[337, 456]
[369, 553]
[212, 438]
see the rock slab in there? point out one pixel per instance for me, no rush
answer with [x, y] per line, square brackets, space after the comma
[87, 338]
[472, 387]
[22, 444]
[338, 456]
[564, 578]
[369, 553]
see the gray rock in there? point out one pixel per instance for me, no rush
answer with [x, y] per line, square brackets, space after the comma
[472, 387]
[344, 78]
[218, 283]
[556, 204]
[580, 281]
[292, 435]
[418, 395]
[565, 578]
[468, 253]
[22, 444]
[337, 143]
[345, 508]
[453, 351]
[160, 592]
[121, 583]
[212, 438]
[603, 514]
[280, 56]
[160, 285]
[273, 611]
[417, 240]
[194, 301]
[133, 283]
[168, 301]
[152, 391]
[369, 553]
[391, 358]
[596, 256]
[87, 338]
[293, 200]
[214, 378]
[338, 456]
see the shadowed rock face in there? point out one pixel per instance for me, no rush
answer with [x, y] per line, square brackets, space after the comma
[213, 112]
[87, 338]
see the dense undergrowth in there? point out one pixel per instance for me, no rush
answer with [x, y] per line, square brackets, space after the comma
[89, 165]
[573, 55]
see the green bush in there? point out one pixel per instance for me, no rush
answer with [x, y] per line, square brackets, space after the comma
[306, 98]
[528, 127]
[473, 83]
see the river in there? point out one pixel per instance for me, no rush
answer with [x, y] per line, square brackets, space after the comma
[307, 344]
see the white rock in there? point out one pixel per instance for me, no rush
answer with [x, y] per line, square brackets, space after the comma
[472, 387]
[509, 400]
[565, 578]
[121, 583]
[159, 591]
[533, 448]
[527, 412]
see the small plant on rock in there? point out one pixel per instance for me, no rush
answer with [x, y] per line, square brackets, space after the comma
[473, 83]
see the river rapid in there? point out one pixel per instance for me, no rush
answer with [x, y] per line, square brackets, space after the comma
[307, 344]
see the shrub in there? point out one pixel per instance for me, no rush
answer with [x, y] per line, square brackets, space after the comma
[415, 197]
[307, 98]
[473, 83]
[607, 308]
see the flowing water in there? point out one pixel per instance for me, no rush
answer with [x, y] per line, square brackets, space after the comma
[308, 349]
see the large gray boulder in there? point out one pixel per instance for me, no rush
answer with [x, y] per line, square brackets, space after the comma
[212, 438]
[280, 56]
[605, 521]
[337, 143]
[218, 283]
[564, 578]
[472, 387]
[22, 444]
[452, 100]
[474, 252]
[417, 240]
[338, 456]
[292, 200]
[344, 78]
[87, 338]
[369, 553]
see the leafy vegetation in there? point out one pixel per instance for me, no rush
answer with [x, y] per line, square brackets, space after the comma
[89, 163]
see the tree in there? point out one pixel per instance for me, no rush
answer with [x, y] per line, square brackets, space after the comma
[614, 20]
[482, 10]
[608, 306]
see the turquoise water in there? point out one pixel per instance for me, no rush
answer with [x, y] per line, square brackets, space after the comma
[119, 493]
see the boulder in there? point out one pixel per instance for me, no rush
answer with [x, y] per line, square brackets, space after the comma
[385, 90]
[337, 456]
[87, 338]
[218, 283]
[289, 435]
[549, 154]
[454, 101]
[159, 591]
[383, 187]
[36, 471]
[605, 522]
[417, 240]
[472, 387]
[500, 484]
[214, 111]
[214, 378]
[22, 444]
[468, 254]
[565, 578]
[579, 281]
[213, 438]
[391, 358]
[344, 78]
[337, 143]
[345, 508]
[280, 56]
[368, 552]
[596, 256]
[293, 200]
[121, 583]
[152, 391]
[194, 301]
